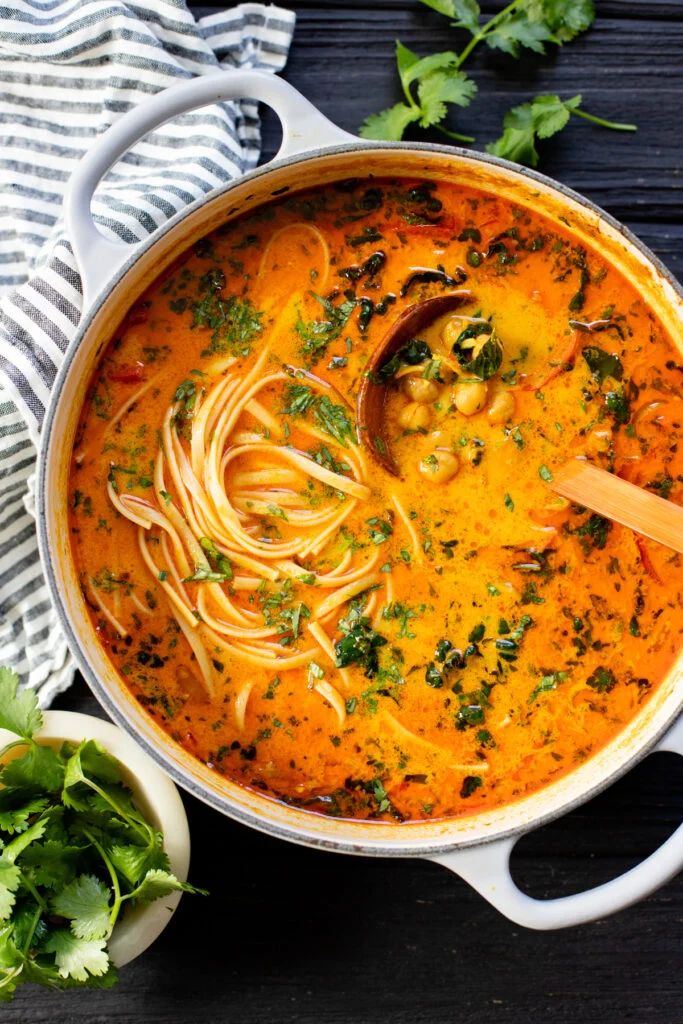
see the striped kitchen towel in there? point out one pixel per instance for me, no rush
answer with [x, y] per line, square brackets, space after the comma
[68, 69]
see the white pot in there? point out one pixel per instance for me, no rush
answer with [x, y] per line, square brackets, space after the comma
[314, 152]
[158, 799]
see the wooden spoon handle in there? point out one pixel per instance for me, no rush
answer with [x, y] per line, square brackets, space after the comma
[621, 501]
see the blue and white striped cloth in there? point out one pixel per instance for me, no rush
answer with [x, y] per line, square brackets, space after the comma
[68, 69]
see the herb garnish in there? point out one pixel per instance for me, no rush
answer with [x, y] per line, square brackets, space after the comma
[330, 417]
[548, 683]
[75, 852]
[433, 84]
[234, 321]
[316, 335]
[360, 643]
[602, 679]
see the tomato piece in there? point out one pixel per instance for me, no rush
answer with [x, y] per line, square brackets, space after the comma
[645, 559]
[562, 357]
[127, 373]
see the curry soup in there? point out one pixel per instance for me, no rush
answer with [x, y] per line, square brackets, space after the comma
[345, 640]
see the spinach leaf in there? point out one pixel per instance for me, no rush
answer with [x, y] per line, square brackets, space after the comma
[412, 353]
[479, 351]
[602, 364]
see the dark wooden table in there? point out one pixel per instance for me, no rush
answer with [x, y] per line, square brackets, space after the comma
[293, 935]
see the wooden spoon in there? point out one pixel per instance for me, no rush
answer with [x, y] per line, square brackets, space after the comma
[617, 499]
[370, 408]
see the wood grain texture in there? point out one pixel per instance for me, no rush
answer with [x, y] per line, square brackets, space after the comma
[294, 936]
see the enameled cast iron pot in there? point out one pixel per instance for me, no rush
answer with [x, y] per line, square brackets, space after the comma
[314, 152]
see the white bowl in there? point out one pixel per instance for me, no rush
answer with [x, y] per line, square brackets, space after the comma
[155, 795]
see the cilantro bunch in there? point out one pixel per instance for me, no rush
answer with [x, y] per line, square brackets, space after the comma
[75, 852]
[432, 84]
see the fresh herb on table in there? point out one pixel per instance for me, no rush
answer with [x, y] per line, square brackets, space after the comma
[76, 852]
[432, 84]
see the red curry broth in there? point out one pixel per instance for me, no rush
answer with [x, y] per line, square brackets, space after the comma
[500, 635]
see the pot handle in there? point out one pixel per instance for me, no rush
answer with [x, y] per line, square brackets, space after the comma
[487, 869]
[303, 128]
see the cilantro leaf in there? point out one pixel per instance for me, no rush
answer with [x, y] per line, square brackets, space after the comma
[330, 417]
[565, 19]
[10, 877]
[541, 118]
[87, 758]
[10, 963]
[316, 335]
[519, 31]
[96, 763]
[389, 124]
[51, 864]
[16, 809]
[85, 902]
[133, 862]
[19, 712]
[439, 83]
[359, 646]
[158, 883]
[438, 89]
[77, 958]
[234, 322]
[517, 27]
[24, 840]
[413, 68]
[334, 420]
[69, 826]
[299, 398]
[39, 769]
[547, 684]
[465, 13]
[602, 679]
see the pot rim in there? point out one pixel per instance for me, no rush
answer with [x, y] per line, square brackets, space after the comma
[399, 843]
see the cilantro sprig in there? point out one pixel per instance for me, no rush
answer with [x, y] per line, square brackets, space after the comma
[433, 84]
[429, 85]
[75, 852]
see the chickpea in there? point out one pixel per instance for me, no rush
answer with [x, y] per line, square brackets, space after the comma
[451, 331]
[502, 407]
[420, 389]
[470, 397]
[414, 416]
[440, 466]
